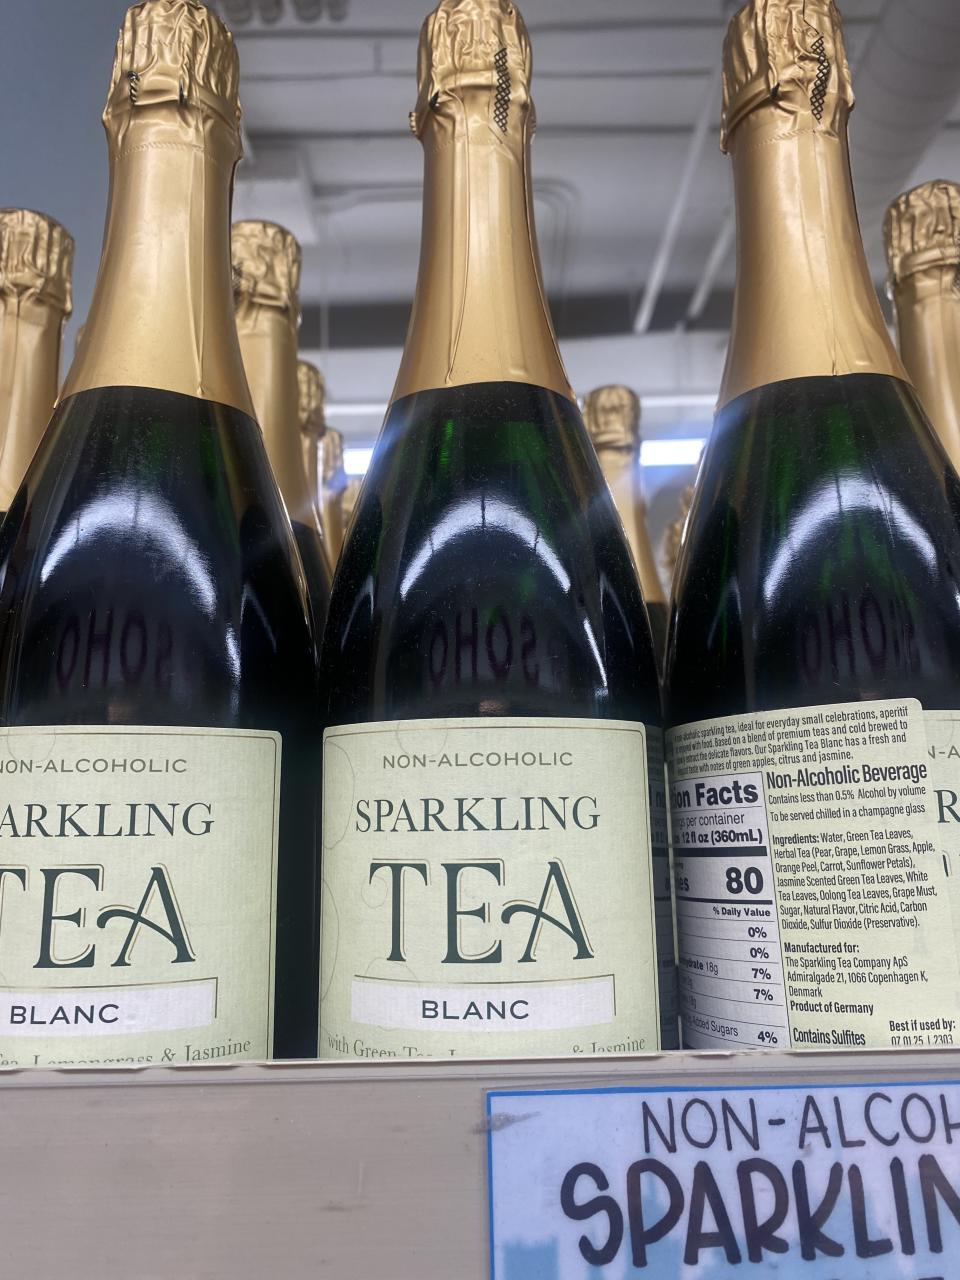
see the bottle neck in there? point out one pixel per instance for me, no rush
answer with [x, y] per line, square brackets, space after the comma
[620, 469]
[927, 305]
[480, 313]
[162, 310]
[805, 305]
[333, 482]
[268, 343]
[30, 333]
[310, 448]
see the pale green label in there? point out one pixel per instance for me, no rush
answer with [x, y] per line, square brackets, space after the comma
[487, 889]
[814, 906]
[943, 752]
[138, 872]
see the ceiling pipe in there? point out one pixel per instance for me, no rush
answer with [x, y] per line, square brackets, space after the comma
[722, 248]
[707, 119]
[907, 82]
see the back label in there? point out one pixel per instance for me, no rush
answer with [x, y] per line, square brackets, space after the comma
[813, 901]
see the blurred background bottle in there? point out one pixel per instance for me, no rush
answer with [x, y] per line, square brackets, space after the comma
[612, 416]
[266, 286]
[922, 235]
[36, 266]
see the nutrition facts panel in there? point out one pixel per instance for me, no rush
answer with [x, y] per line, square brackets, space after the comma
[814, 903]
[731, 968]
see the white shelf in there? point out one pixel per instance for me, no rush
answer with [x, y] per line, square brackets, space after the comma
[321, 1170]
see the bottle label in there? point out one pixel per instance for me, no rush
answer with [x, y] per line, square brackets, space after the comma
[488, 889]
[138, 873]
[814, 893]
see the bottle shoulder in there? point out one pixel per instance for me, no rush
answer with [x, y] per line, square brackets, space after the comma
[821, 557]
[486, 571]
[148, 565]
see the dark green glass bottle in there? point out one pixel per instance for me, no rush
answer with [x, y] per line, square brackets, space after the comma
[157, 665]
[494, 836]
[814, 660]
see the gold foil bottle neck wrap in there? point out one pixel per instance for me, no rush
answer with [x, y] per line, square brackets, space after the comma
[312, 389]
[178, 55]
[334, 475]
[36, 259]
[266, 268]
[673, 539]
[333, 483]
[922, 234]
[612, 415]
[475, 59]
[788, 55]
[805, 304]
[922, 230]
[480, 313]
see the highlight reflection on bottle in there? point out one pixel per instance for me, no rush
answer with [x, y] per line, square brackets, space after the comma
[492, 859]
[157, 676]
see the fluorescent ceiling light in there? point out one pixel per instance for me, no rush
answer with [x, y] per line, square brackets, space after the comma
[377, 409]
[356, 461]
[671, 453]
[653, 453]
[679, 402]
[356, 409]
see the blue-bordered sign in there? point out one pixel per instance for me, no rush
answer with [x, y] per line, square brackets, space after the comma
[855, 1182]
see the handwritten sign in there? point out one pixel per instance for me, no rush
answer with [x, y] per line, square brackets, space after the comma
[798, 1183]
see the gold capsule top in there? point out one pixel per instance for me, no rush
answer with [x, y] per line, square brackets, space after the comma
[922, 230]
[312, 388]
[790, 55]
[471, 45]
[36, 259]
[176, 55]
[612, 415]
[266, 267]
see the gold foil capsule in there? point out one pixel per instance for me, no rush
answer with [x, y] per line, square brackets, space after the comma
[922, 230]
[266, 267]
[175, 54]
[36, 259]
[789, 55]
